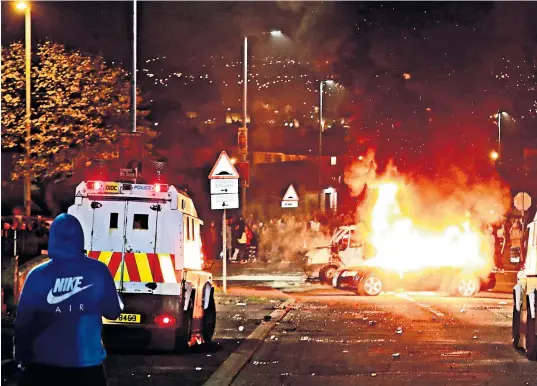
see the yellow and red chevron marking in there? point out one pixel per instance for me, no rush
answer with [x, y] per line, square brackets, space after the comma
[138, 267]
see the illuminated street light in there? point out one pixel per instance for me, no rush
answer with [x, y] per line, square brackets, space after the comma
[494, 155]
[23, 6]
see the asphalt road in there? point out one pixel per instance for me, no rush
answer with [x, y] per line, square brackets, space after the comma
[335, 338]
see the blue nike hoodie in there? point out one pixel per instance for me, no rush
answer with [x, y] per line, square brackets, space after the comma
[59, 314]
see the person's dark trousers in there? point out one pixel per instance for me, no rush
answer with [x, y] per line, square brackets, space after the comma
[37, 374]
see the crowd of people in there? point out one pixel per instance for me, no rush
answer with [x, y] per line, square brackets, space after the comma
[273, 240]
[24, 237]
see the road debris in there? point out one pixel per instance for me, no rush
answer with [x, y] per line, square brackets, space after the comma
[372, 322]
[373, 374]
[267, 318]
[399, 330]
[396, 355]
[463, 310]
[474, 337]
[240, 304]
[306, 338]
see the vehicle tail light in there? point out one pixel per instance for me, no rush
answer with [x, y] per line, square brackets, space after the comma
[165, 320]
[94, 185]
[161, 188]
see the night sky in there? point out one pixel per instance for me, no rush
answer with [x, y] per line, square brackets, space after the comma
[420, 79]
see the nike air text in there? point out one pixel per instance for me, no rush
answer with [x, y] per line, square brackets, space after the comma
[69, 285]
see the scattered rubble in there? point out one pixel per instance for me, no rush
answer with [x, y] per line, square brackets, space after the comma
[396, 355]
[399, 330]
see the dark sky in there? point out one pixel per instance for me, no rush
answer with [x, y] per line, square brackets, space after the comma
[465, 60]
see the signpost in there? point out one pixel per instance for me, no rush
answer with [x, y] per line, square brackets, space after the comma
[290, 198]
[522, 202]
[224, 195]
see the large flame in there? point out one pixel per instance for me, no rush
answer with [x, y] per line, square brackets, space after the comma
[403, 244]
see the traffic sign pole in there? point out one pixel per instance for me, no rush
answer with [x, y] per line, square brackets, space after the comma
[224, 186]
[224, 251]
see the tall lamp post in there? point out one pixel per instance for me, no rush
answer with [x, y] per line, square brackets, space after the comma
[244, 129]
[321, 129]
[23, 6]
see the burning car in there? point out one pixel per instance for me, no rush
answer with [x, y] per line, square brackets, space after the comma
[406, 254]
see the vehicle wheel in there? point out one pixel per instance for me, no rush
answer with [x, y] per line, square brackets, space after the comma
[515, 327]
[184, 332]
[209, 321]
[327, 273]
[371, 286]
[531, 339]
[467, 286]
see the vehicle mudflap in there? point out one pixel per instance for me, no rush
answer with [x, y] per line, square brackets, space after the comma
[517, 296]
[531, 303]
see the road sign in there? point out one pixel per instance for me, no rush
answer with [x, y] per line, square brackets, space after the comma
[289, 204]
[291, 194]
[290, 198]
[522, 201]
[224, 201]
[224, 186]
[223, 168]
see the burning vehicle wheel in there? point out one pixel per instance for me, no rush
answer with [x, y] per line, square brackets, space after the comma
[467, 286]
[531, 339]
[371, 286]
[327, 274]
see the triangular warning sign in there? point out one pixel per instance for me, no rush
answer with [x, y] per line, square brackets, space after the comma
[223, 168]
[290, 195]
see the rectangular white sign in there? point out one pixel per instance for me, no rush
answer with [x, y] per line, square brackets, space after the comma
[289, 204]
[224, 186]
[224, 201]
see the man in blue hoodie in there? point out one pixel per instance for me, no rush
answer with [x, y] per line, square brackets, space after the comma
[59, 316]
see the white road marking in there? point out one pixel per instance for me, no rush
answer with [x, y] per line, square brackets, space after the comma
[424, 306]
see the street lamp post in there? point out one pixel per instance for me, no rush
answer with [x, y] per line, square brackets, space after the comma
[245, 109]
[499, 131]
[22, 6]
[321, 129]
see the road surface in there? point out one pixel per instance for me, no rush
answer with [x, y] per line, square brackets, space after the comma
[336, 338]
